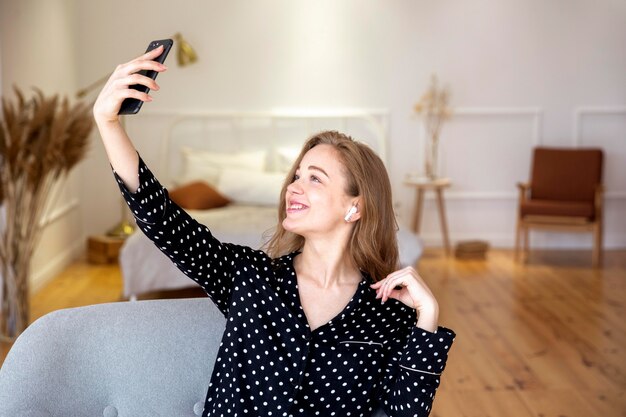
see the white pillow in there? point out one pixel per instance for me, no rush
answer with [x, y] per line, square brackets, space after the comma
[248, 187]
[207, 166]
[286, 157]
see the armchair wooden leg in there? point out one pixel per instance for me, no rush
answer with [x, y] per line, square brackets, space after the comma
[597, 246]
[517, 238]
[526, 250]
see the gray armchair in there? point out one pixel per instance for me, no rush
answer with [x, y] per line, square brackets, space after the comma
[145, 358]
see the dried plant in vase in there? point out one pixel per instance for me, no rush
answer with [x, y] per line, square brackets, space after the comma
[433, 107]
[41, 140]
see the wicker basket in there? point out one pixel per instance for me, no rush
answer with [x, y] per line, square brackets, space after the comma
[471, 249]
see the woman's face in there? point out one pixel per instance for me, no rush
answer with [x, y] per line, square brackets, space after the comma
[316, 200]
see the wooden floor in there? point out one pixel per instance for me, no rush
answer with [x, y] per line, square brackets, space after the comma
[544, 339]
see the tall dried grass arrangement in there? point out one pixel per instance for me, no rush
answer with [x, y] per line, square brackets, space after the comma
[41, 140]
[433, 107]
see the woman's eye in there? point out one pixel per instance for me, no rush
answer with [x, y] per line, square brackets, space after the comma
[295, 178]
[314, 178]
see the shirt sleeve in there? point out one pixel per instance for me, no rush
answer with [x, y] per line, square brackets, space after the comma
[189, 244]
[413, 372]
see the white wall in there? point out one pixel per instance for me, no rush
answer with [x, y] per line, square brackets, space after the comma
[38, 51]
[520, 71]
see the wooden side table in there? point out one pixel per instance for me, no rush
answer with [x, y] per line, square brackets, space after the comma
[103, 249]
[421, 185]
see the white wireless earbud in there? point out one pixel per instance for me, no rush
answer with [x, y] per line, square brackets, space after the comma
[352, 210]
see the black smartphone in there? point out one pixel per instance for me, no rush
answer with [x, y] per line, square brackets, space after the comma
[132, 105]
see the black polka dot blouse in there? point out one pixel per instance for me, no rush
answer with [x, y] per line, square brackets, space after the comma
[269, 362]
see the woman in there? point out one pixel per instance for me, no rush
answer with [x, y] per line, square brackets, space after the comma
[306, 334]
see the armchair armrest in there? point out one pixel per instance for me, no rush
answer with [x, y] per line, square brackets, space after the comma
[523, 187]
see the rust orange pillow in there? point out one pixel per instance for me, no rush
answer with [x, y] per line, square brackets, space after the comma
[198, 195]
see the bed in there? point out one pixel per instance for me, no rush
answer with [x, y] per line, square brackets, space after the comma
[244, 158]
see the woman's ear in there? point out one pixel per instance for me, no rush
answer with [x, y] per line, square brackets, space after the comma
[353, 214]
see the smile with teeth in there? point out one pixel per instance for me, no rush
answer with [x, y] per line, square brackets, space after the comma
[296, 207]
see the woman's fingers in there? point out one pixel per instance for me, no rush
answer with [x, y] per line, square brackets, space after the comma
[376, 284]
[153, 53]
[386, 286]
[132, 93]
[138, 79]
[389, 286]
[142, 62]
[400, 272]
[148, 56]
[383, 286]
[117, 88]
[393, 274]
[133, 67]
[413, 291]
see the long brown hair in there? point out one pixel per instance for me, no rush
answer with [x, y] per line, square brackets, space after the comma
[373, 244]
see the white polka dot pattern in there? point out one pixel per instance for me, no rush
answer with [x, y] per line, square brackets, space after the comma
[269, 362]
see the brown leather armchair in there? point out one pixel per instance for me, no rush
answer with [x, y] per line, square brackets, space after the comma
[565, 193]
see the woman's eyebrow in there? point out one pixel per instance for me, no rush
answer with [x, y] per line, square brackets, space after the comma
[319, 169]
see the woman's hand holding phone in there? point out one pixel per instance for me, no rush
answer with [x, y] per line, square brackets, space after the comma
[117, 88]
[119, 148]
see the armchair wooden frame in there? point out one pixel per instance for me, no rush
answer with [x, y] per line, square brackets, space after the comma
[559, 223]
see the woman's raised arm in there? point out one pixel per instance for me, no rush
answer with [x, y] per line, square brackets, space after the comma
[119, 148]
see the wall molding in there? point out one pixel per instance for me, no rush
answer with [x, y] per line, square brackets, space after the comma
[535, 112]
[536, 140]
[54, 215]
[583, 111]
[58, 261]
[536, 115]
[497, 195]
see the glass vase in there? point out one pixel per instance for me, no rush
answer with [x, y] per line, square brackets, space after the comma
[431, 158]
[14, 303]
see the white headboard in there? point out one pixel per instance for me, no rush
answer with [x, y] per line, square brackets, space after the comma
[241, 131]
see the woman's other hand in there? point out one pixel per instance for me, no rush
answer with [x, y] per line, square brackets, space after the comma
[413, 292]
[117, 88]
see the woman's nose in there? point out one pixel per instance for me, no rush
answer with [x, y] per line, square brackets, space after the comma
[294, 188]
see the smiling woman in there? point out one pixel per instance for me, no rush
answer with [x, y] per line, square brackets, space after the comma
[311, 311]
[315, 290]
[356, 183]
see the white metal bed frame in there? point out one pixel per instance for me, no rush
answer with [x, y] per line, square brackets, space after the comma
[376, 121]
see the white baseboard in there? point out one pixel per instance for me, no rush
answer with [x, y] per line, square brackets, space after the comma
[507, 241]
[44, 275]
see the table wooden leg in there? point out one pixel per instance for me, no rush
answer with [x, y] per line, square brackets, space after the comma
[444, 225]
[418, 210]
